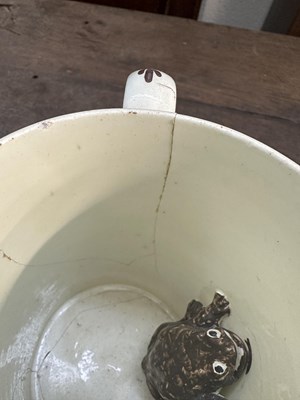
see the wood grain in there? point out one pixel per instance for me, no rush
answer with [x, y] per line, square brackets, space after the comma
[61, 56]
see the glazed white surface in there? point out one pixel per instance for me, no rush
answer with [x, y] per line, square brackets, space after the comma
[93, 346]
[173, 205]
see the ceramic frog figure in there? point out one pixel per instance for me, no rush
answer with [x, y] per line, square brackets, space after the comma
[194, 358]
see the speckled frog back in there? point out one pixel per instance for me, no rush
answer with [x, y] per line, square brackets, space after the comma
[192, 359]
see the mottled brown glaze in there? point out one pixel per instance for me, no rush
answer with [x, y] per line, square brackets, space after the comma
[192, 359]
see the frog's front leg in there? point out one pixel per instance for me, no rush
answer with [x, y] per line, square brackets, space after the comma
[194, 308]
[214, 312]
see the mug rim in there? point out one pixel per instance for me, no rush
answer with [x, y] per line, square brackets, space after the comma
[223, 130]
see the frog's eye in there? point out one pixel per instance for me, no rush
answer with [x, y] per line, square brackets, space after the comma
[214, 333]
[219, 367]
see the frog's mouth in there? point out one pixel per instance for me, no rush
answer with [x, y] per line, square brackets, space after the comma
[244, 354]
[249, 357]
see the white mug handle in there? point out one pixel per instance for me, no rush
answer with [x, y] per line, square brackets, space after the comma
[150, 89]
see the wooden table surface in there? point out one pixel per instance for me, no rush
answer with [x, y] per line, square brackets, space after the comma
[63, 56]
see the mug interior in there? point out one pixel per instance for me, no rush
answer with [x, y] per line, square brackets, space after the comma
[105, 207]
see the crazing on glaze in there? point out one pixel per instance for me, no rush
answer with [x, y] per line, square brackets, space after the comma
[92, 346]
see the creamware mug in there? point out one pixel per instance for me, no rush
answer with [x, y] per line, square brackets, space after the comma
[113, 220]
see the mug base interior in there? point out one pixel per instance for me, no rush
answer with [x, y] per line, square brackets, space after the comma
[95, 344]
